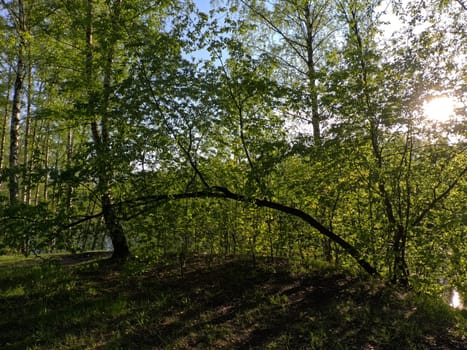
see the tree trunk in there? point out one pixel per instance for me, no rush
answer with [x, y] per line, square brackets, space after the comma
[399, 274]
[16, 106]
[101, 141]
[121, 250]
[312, 88]
[400, 271]
[222, 192]
[5, 120]
[46, 165]
[26, 189]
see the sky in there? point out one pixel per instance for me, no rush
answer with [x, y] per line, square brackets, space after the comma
[203, 5]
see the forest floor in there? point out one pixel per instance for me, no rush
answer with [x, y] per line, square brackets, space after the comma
[81, 302]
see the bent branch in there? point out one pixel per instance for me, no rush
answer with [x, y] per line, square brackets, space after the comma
[222, 192]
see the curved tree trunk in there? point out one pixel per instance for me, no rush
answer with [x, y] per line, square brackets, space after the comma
[222, 192]
[351, 250]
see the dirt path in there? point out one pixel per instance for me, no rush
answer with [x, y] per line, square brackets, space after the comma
[74, 259]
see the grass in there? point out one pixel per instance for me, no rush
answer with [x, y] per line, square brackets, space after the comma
[16, 260]
[225, 305]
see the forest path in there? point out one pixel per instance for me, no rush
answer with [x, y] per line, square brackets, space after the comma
[78, 258]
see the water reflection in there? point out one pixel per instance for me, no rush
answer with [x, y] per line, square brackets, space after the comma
[455, 301]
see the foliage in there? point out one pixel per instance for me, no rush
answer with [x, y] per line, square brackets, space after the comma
[262, 128]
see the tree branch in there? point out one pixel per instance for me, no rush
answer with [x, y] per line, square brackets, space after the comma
[438, 199]
[292, 43]
[222, 192]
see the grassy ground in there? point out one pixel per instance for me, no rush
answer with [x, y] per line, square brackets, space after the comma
[63, 303]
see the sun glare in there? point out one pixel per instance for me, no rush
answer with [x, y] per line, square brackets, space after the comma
[439, 108]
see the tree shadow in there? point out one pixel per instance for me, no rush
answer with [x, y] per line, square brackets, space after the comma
[230, 304]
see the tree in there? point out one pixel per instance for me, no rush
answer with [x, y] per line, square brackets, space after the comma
[388, 113]
[100, 128]
[18, 15]
[159, 126]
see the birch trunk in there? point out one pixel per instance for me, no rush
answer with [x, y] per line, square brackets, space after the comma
[16, 106]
